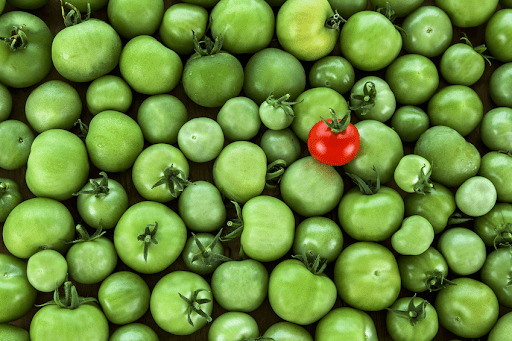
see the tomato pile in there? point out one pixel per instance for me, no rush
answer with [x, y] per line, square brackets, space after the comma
[256, 170]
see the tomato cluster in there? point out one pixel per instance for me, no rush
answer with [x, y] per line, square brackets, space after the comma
[255, 170]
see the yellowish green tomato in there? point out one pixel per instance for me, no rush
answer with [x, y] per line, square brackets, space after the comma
[287, 331]
[239, 119]
[108, 92]
[201, 139]
[412, 174]
[47, 270]
[5, 99]
[476, 196]
[414, 237]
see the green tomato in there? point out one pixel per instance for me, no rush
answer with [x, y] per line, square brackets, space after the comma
[371, 266]
[471, 13]
[494, 227]
[412, 174]
[102, 202]
[346, 323]
[400, 7]
[17, 292]
[273, 70]
[240, 285]
[57, 165]
[287, 331]
[239, 119]
[280, 145]
[149, 67]
[203, 3]
[131, 18]
[30, 61]
[468, 309]
[247, 27]
[202, 262]
[16, 140]
[497, 167]
[5, 102]
[462, 64]
[318, 236]
[177, 25]
[501, 329]
[381, 148]
[149, 237]
[108, 92]
[426, 271]
[86, 51]
[369, 41]
[53, 104]
[10, 197]
[414, 237]
[10, 331]
[476, 196]
[463, 250]
[47, 270]
[276, 113]
[348, 8]
[161, 117]
[28, 5]
[496, 129]
[371, 217]
[124, 297]
[310, 187]
[413, 78]
[497, 31]
[239, 171]
[501, 80]
[201, 207]
[312, 105]
[436, 206]
[428, 31]
[410, 122]
[333, 72]
[302, 30]
[495, 273]
[298, 295]
[403, 325]
[371, 98]
[456, 106]
[114, 141]
[453, 159]
[201, 139]
[37, 224]
[233, 325]
[175, 300]
[134, 332]
[268, 228]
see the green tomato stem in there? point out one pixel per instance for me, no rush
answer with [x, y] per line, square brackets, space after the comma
[194, 305]
[148, 237]
[175, 179]
[18, 39]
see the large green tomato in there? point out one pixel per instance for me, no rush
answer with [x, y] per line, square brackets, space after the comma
[310, 187]
[381, 148]
[470, 13]
[108, 92]
[369, 41]
[16, 291]
[114, 141]
[149, 67]
[131, 18]
[201, 139]
[302, 28]
[86, 51]
[239, 119]
[177, 298]
[476, 196]
[239, 171]
[269, 228]
[149, 237]
[468, 309]
[27, 61]
[462, 64]
[299, 295]
[453, 159]
[501, 329]
[247, 27]
[57, 165]
[318, 236]
[38, 224]
[371, 266]
[346, 323]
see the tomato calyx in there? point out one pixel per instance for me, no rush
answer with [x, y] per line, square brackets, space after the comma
[83, 235]
[281, 103]
[436, 281]
[369, 188]
[74, 17]
[4, 187]
[503, 236]
[415, 313]
[235, 226]
[480, 49]
[206, 254]
[194, 305]
[98, 189]
[210, 47]
[390, 14]
[457, 219]
[148, 237]
[366, 101]
[71, 299]
[275, 171]
[335, 21]
[424, 183]
[175, 179]
[84, 129]
[315, 264]
[18, 39]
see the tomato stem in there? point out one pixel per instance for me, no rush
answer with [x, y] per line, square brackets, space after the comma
[275, 171]
[74, 16]
[194, 305]
[206, 254]
[315, 265]
[71, 298]
[98, 189]
[17, 40]
[337, 125]
[148, 237]
[335, 21]
[415, 313]
[175, 179]
[480, 49]
[368, 188]
[366, 101]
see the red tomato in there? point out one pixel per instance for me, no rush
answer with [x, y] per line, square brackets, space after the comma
[336, 143]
